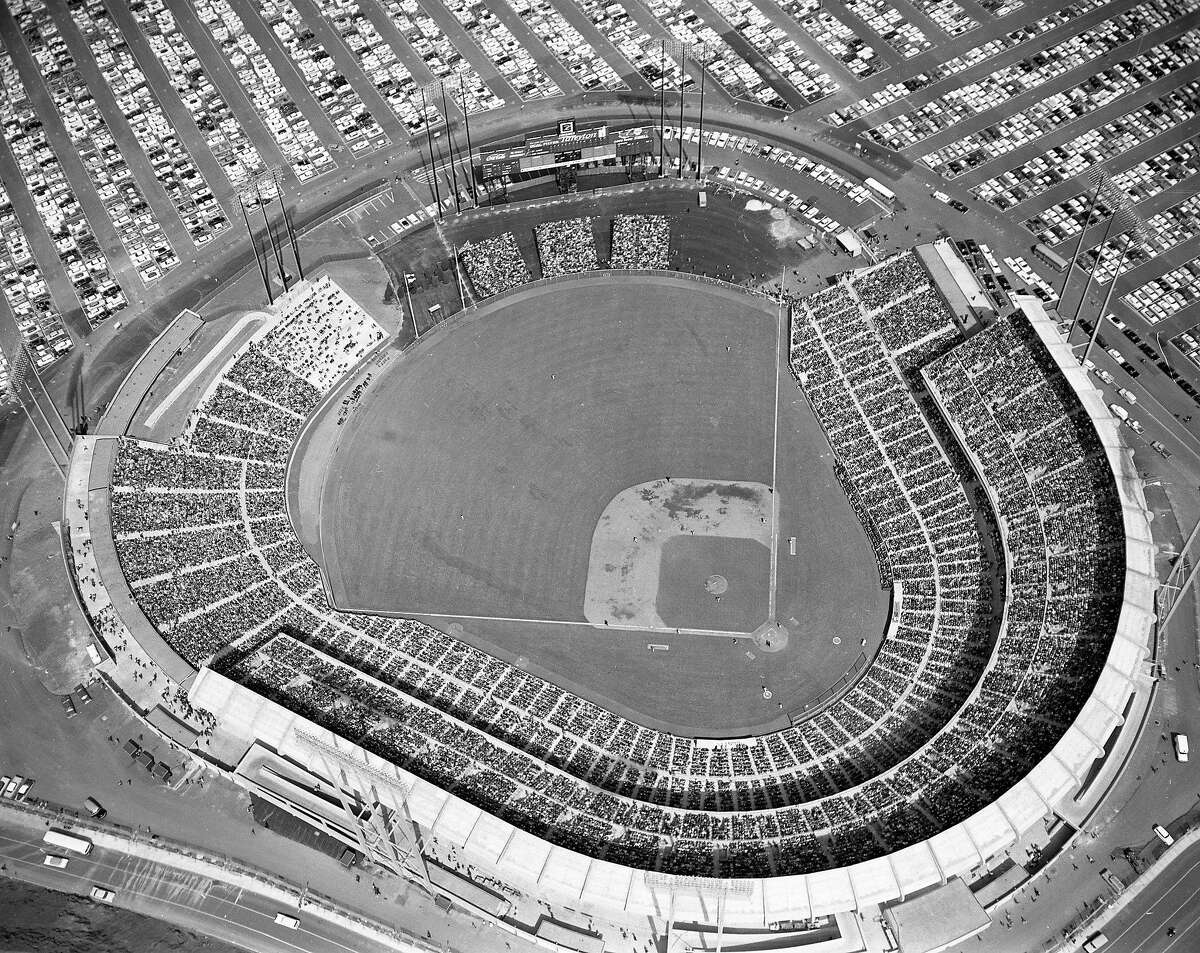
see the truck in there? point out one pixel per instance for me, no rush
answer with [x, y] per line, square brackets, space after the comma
[1119, 411]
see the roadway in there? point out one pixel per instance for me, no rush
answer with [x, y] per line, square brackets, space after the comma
[237, 915]
[1169, 902]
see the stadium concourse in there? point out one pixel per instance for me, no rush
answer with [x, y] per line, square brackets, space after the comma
[1005, 512]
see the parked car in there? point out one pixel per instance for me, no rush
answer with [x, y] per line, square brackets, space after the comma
[68, 704]
[55, 860]
[287, 920]
[1095, 942]
[95, 808]
[103, 894]
[1180, 741]
[1163, 835]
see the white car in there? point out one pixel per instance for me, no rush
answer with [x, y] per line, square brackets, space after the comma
[55, 860]
[1127, 394]
[103, 894]
[1163, 835]
[1181, 746]
[287, 920]
[1119, 411]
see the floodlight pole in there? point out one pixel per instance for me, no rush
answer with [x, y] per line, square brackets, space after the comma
[437, 195]
[662, 108]
[1087, 221]
[682, 69]
[453, 156]
[1087, 285]
[254, 245]
[700, 137]
[412, 314]
[287, 223]
[1112, 286]
[462, 92]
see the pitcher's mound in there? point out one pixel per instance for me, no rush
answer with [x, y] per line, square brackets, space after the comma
[682, 553]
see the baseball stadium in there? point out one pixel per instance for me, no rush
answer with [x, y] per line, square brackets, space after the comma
[641, 587]
[632, 477]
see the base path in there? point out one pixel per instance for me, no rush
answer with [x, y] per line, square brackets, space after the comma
[627, 545]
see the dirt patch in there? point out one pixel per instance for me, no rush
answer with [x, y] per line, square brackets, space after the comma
[627, 545]
[35, 920]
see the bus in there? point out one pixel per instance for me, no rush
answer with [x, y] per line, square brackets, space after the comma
[80, 845]
[876, 186]
[1046, 254]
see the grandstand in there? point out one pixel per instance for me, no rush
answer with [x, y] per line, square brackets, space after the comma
[1003, 510]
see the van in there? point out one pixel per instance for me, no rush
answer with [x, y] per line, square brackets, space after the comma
[1180, 741]
[55, 860]
[287, 920]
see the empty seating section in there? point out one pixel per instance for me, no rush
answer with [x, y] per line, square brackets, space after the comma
[566, 247]
[184, 184]
[292, 132]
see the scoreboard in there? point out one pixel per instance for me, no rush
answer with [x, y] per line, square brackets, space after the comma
[566, 145]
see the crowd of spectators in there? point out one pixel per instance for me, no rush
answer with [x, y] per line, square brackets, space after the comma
[216, 565]
[566, 247]
[495, 264]
[641, 241]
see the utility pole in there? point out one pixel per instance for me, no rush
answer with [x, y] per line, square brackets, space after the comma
[700, 138]
[437, 195]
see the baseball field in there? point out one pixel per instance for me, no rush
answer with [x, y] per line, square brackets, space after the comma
[479, 478]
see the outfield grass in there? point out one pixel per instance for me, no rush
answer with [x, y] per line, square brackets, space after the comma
[470, 481]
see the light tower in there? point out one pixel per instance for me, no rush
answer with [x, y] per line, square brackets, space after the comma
[433, 168]
[1135, 228]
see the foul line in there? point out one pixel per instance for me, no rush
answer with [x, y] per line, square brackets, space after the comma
[619, 627]
[775, 468]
